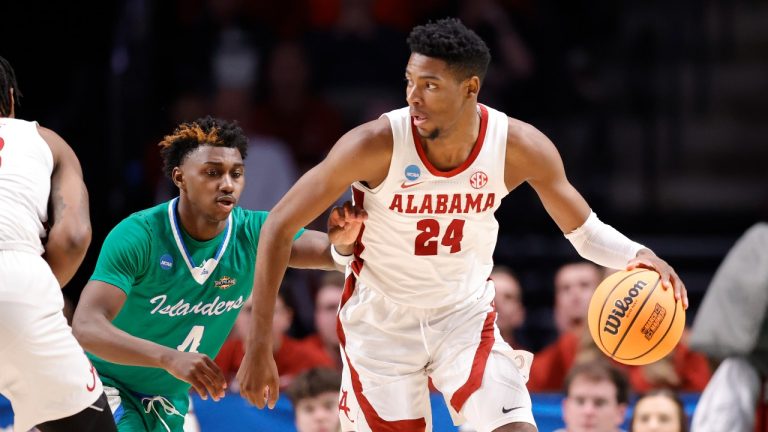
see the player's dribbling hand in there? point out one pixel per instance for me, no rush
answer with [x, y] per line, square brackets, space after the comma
[258, 379]
[344, 225]
[200, 371]
[669, 279]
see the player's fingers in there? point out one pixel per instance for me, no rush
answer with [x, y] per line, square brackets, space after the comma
[360, 214]
[336, 216]
[199, 387]
[215, 377]
[274, 393]
[254, 397]
[640, 263]
[207, 382]
[681, 293]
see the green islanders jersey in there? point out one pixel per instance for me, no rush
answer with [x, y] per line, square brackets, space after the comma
[181, 293]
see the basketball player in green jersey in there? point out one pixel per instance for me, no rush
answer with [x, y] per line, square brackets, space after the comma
[170, 280]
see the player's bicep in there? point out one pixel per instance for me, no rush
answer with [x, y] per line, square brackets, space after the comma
[362, 154]
[69, 196]
[100, 299]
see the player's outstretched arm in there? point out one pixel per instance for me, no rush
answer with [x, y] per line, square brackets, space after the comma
[70, 232]
[92, 326]
[362, 154]
[313, 248]
[531, 157]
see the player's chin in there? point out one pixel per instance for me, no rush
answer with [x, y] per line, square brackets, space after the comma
[223, 209]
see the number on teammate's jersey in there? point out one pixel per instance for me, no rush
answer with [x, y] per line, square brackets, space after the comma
[430, 229]
[193, 340]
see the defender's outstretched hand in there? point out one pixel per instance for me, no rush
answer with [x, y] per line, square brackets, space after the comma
[669, 279]
[344, 225]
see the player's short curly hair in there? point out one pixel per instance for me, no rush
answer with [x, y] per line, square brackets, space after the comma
[203, 131]
[449, 40]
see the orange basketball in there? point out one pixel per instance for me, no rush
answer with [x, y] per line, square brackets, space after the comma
[633, 319]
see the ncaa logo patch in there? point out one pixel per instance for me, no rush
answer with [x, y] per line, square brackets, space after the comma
[166, 262]
[412, 172]
[478, 179]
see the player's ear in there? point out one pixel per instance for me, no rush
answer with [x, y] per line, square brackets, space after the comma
[178, 177]
[472, 86]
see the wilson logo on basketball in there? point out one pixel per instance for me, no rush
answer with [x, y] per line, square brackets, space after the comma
[478, 179]
[622, 306]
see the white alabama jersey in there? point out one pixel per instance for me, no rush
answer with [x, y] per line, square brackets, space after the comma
[26, 164]
[430, 234]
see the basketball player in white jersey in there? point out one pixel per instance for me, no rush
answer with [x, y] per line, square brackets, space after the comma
[43, 371]
[417, 302]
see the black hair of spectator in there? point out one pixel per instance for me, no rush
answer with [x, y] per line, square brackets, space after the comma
[203, 131]
[7, 84]
[449, 40]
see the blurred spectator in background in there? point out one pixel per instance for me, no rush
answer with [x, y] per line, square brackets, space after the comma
[574, 285]
[513, 63]
[353, 82]
[732, 324]
[315, 397]
[292, 111]
[509, 305]
[326, 338]
[291, 356]
[596, 398]
[681, 370]
[659, 411]
[270, 170]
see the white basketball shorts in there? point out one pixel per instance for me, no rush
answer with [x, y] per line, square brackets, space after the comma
[43, 370]
[391, 350]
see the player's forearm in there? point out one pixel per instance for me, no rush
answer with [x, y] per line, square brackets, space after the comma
[312, 251]
[272, 258]
[65, 250]
[98, 336]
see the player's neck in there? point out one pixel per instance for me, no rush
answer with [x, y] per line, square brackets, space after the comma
[455, 143]
[197, 225]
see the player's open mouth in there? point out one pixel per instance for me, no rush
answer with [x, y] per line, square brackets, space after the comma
[419, 120]
[226, 201]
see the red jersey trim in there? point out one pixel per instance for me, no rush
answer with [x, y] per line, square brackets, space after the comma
[472, 155]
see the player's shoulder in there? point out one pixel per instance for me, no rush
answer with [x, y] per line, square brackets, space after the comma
[243, 216]
[521, 133]
[147, 220]
[525, 140]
